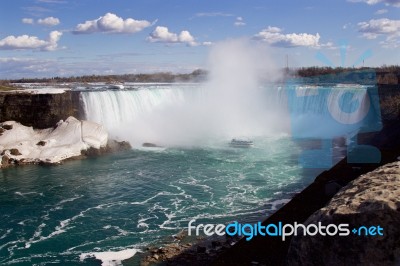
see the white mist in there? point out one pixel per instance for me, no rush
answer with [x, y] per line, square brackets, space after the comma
[232, 103]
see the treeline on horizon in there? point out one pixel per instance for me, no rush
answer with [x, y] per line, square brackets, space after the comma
[195, 76]
[385, 75]
[389, 75]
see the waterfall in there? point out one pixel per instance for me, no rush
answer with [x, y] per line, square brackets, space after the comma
[188, 115]
[331, 111]
[116, 108]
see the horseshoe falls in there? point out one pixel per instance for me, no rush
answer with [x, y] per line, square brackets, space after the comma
[191, 115]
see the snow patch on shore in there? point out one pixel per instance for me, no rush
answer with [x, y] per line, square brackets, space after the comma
[26, 145]
[110, 258]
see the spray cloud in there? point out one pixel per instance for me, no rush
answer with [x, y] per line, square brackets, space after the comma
[232, 103]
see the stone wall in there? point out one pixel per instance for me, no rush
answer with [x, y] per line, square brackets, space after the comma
[39, 110]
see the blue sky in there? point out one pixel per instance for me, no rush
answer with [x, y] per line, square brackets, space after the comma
[45, 38]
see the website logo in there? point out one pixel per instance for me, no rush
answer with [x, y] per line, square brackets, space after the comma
[281, 230]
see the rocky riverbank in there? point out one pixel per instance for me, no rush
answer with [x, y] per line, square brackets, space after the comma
[370, 200]
[69, 139]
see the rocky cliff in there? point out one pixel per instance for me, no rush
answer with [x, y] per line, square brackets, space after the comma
[39, 110]
[370, 200]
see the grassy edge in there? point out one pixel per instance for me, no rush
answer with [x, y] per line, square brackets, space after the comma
[8, 88]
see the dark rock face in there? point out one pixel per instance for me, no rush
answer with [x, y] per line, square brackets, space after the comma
[15, 152]
[39, 110]
[372, 199]
[150, 145]
[7, 127]
[389, 96]
[112, 147]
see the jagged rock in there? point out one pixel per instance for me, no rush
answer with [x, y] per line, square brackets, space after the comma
[150, 145]
[5, 161]
[41, 143]
[372, 199]
[180, 235]
[114, 146]
[7, 127]
[111, 147]
[15, 152]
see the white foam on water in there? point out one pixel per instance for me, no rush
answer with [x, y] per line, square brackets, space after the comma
[70, 199]
[110, 258]
[277, 203]
[163, 193]
[23, 194]
[61, 228]
[6, 234]
[120, 231]
[11, 243]
[152, 149]
[141, 223]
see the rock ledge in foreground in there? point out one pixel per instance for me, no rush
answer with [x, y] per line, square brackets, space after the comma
[370, 200]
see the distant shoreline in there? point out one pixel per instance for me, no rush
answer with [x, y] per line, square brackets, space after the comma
[385, 75]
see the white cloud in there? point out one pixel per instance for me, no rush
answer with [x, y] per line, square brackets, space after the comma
[376, 27]
[239, 22]
[49, 21]
[275, 37]
[391, 43]
[24, 42]
[28, 21]
[382, 27]
[381, 11]
[54, 37]
[186, 37]
[162, 34]
[395, 3]
[111, 23]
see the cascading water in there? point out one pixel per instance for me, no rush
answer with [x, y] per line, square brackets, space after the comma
[188, 115]
[124, 113]
[178, 115]
[332, 111]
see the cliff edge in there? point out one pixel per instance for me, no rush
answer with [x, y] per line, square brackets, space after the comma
[39, 110]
